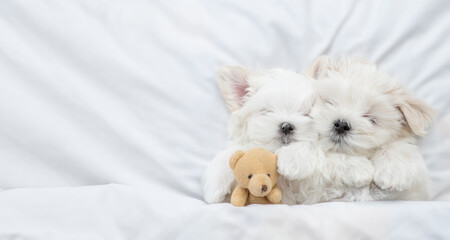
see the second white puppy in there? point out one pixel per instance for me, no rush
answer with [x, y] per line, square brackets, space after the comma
[366, 123]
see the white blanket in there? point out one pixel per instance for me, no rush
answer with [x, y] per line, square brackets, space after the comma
[109, 113]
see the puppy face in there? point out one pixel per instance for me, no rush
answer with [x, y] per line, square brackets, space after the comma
[354, 118]
[268, 110]
[361, 108]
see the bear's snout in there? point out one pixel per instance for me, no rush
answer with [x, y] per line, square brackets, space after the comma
[264, 188]
[260, 185]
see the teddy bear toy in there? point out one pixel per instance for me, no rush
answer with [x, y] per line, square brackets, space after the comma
[256, 175]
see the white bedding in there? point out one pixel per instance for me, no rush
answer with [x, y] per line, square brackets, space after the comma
[109, 113]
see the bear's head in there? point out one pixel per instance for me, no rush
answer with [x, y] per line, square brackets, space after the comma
[255, 170]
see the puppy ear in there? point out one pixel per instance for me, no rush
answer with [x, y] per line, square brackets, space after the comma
[320, 66]
[323, 65]
[234, 85]
[416, 113]
[235, 157]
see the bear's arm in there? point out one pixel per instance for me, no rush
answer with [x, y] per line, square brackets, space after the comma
[275, 195]
[239, 197]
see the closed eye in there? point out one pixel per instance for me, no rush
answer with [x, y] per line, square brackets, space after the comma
[308, 113]
[371, 118]
[265, 111]
[328, 101]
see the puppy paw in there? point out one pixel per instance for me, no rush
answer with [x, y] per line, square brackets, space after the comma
[358, 172]
[359, 178]
[214, 196]
[398, 166]
[287, 166]
[296, 161]
[218, 178]
[392, 179]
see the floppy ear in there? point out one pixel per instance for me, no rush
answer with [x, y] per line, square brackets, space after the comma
[416, 113]
[235, 157]
[234, 85]
[320, 66]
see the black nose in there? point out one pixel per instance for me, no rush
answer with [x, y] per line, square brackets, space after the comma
[264, 188]
[341, 126]
[286, 128]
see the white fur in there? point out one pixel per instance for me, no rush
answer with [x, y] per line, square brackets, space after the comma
[377, 159]
[259, 102]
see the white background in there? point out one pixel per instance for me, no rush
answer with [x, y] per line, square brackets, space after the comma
[109, 112]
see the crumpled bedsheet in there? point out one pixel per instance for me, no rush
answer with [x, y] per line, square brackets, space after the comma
[109, 113]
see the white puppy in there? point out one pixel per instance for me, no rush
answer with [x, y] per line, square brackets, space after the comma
[269, 109]
[367, 123]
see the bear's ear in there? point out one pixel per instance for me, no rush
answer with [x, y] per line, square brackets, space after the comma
[235, 157]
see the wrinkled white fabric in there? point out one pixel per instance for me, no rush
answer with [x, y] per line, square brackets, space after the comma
[122, 95]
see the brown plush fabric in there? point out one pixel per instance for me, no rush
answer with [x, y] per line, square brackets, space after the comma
[256, 174]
